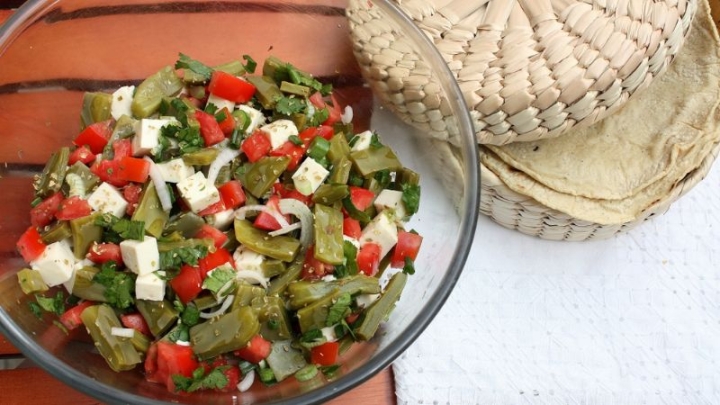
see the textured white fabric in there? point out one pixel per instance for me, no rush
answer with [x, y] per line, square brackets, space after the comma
[631, 320]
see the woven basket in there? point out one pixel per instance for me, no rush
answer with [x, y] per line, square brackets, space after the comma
[529, 69]
[526, 215]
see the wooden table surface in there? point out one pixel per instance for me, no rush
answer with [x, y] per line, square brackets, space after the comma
[34, 386]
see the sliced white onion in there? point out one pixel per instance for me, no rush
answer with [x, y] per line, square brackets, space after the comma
[225, 156]
[160, 186]
[182, 343]
[283, 231]
[347, 115]
[224, 307]
[303, 213]
[251, 275]
[122, 332]
[310, 110]
[246, 382]
[241, 213]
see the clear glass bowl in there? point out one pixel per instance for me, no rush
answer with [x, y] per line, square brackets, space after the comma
[52, 51]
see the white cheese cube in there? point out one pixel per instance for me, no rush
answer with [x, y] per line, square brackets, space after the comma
[175, 170]
[108, 200]
[279, 132]
[364, 300]
[257, 118]
[246, 259]
[142, 257]
[309, 176]
[381, 230]
[197, 193]
[329, 333]
[150, 286]
[55, 264]
[147, 134]
[122, 102]
[221, 220]
[391, 199]
[220, 102]
[362, 142]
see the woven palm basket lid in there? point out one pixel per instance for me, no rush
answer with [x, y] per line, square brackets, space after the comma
[528, 69]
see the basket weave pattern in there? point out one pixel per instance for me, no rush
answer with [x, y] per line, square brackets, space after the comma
[529, 69]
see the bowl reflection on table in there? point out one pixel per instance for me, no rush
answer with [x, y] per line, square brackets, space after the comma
[53, 51]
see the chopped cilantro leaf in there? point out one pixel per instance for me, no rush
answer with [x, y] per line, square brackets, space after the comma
[349, 266]
[321, 115]
[411, 198]
[326, 89]
[35, 309]
[311, 336]
[56, 304]
[339, 310]
[375, 141]
[383, 177]
[120, 228]
[190, 316]
[186, 62]
[250, 65]
[409, 267]
[189, 138]
[211, 108]
[289, 105]
[217, 278]
[119, 286]
[215, 379]
[175, 258]
[180, 333]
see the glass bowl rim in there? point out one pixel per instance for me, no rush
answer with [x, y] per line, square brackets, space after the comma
[469, 218]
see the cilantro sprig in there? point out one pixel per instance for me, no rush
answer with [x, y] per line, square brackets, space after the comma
[119, 229]
[119, 285]
[189, 314]
[409, 266]
[199, 380]
[186, 62]
[173, 259]
[339, 310]
[290, 105]
[411, 198]
[217, 279]
[55, 305]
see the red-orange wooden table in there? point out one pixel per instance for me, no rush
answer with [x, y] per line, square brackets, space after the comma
[34, 386]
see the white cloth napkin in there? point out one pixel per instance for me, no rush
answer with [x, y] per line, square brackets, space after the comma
[630, 320]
